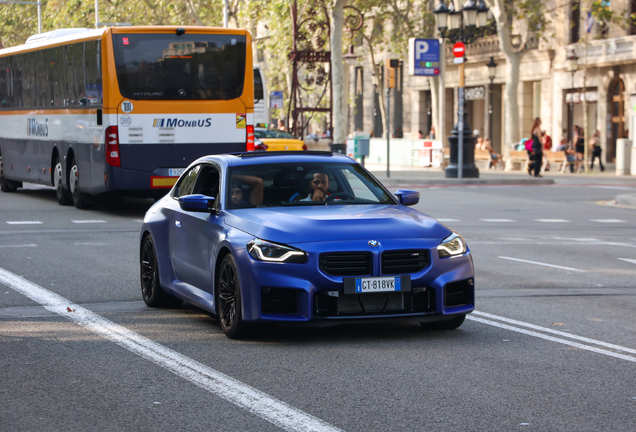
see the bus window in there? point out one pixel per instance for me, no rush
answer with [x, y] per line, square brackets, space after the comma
[191, 66]
[258, 86]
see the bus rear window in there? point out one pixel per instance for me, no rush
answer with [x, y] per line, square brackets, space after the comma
[187, 67]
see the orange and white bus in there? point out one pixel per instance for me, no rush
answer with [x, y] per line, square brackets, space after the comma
[122, 110]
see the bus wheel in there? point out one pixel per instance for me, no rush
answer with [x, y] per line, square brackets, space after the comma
[79, 199]
[6, 185]
[63, 196]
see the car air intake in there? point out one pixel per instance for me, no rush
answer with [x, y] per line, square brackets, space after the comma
[279, 300]
[346, 263]
[404, 262]
[458, 293]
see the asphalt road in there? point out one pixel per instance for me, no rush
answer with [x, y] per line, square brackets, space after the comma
[551, 347]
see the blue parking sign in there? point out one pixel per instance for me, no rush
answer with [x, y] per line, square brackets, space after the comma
[424, 57]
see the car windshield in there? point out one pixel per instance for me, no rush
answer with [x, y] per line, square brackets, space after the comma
[305, 184]
[273, 134]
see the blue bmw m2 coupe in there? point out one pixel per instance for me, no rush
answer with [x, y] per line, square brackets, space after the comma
[300, 238]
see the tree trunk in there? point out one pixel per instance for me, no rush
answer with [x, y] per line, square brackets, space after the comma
[337, 73]
[512, 133]
[375, 78]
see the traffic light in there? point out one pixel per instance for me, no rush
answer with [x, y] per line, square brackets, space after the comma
[390, 68]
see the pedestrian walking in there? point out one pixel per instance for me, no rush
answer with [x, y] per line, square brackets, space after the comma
[596, 150]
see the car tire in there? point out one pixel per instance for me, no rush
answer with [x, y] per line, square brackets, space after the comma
[151, 291]
[450, 324]
[63, 195]
[228, 300]
[79, 198]
[6, 185]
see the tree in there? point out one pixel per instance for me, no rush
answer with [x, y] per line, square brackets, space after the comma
[531, 19]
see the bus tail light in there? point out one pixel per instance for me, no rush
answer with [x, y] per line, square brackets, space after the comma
[250, 138]
[112, 147]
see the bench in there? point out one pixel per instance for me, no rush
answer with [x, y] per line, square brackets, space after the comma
[517, 156]
[482, 158]
[558, 160]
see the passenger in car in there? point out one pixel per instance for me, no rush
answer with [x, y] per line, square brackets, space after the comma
[256, 194]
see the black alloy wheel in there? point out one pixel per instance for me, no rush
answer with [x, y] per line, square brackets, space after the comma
[79, 198]
[450, 324]
[228, 300]
[6, 185]
[151, 291]
[63, 195]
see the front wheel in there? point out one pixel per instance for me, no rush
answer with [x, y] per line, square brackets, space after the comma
[153, 294]
[228, 300]
[63, 195]
[450, 324]
[79, 199]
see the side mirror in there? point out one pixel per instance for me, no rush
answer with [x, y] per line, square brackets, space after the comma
[407, 197]
[197, 203]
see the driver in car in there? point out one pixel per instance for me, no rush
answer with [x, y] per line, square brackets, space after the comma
[318, 187]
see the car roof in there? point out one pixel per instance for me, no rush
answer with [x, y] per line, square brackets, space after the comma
[259, 158]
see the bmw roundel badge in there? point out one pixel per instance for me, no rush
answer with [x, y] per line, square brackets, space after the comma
[373, 243]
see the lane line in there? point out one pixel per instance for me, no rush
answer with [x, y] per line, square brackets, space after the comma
[543, 264]
[607, 220]
[448, 220]
[633, 261]
[553, 339]
[577, 239]
[24, 222]
[88, 221]
[18, 246]
[91, 244]
[552, 220]
[556, 332]
[252, 400]
[496, 220]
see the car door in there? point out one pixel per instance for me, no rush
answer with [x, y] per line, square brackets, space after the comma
[190, 232]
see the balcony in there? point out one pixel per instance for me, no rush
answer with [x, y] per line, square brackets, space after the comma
[606, 52]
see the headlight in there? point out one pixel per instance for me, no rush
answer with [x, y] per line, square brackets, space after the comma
[262, 250]
[452, 245]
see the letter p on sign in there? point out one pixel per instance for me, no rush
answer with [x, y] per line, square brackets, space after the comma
[421, 47]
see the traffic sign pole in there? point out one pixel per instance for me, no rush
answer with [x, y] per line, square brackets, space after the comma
[459, 49]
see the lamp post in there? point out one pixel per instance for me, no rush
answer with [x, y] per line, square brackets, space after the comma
[464, 25]
[571, 65]
[492, 72]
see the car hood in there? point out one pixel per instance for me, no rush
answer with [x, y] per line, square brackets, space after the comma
[335, 222]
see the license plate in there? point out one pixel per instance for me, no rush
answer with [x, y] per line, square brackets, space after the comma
[378, 284]
[175, 172]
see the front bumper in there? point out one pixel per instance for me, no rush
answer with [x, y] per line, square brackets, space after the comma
[303, 293]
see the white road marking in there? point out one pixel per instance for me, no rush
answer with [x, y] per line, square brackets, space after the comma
[607, 220]
[633, 261]
[556, 332]
[256, 402]
[448, 220]
[90, 244]
[552, 220]
[496, 220]
[88, 221]
[24, 222]
[138, 220]
[614, 187]
[18, 246]
[553, 339]
[543, 264]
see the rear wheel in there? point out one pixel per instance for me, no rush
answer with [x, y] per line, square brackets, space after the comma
[450, 324]
[153, 294]
[79, 198]
[6, 185]
[63, 196]
[228, 300]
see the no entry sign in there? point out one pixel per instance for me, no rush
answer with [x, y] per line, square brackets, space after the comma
[459, 49]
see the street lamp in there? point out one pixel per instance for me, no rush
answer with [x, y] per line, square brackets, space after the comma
[464, 25]
[492, 73]
[571, 65]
